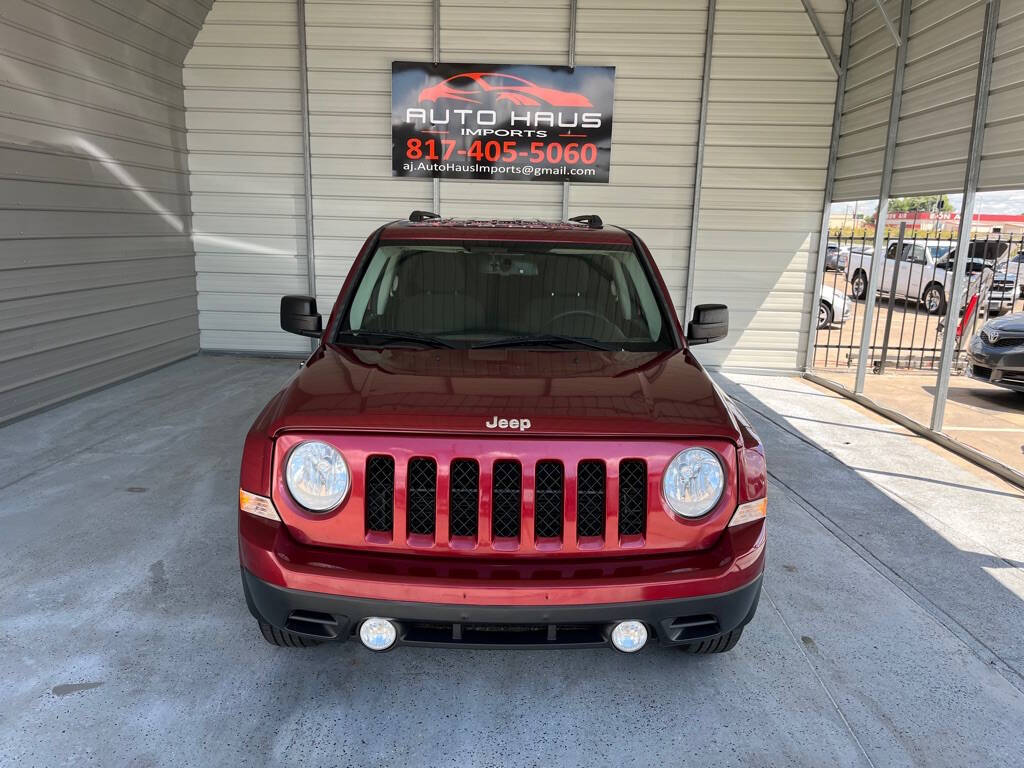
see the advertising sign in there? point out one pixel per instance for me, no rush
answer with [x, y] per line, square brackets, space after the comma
[501, 121]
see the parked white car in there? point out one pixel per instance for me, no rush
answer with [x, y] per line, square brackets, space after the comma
[927, 278]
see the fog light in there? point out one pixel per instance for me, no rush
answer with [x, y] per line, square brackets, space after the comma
[377, 634]
[629, 636]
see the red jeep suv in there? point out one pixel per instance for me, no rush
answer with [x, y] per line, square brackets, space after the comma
[502, 439]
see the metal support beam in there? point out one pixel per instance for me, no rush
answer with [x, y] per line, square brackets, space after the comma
[698, 174]
[878, 259]
[436, 201]
[830, 181]
[820, 32]
[888, 22]
[307, 155]
[572, 65]
[963, 242]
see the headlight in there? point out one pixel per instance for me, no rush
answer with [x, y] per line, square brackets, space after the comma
[693, 482]
[317, 476]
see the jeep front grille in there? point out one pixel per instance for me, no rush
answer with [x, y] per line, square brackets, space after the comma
[632, 497]
[590, 502]
[380, 493]
[488, 504]
[507, 500]
[464, 497]
[548, 500]
[421, 495]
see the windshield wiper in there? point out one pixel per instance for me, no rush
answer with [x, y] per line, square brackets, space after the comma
[386, 336]
[543, 339]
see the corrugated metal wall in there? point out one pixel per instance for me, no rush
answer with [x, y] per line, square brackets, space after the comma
[1002, 165]
[769, 126]
[351, 46]
[245, 154]
[865, 117]
[97, 275]
[658, 53]
[938, 100]
[770, 112]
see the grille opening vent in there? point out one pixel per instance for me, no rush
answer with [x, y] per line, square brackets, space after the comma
[550, 477]
[693, 627]
[632, 497]
[312, 623]
[507, 495]
[380, 494]
[502, 635]
[464, 497]
[590, 498]
[421, 495]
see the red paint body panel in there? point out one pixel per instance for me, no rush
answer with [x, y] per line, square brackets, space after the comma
[344, 526]
[582, 404]
[270, 554]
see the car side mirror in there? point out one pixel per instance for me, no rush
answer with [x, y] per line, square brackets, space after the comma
[710, 323]
[299, 315]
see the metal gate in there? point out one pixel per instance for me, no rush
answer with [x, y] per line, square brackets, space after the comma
[912, 297]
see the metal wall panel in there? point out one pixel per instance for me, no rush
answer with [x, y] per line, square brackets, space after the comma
[657, 108]
[97, 273]
[866, 102]
[351, 47]
[1002, 159]
[938, 100]
[769, 117]
[245, 154]
[769, 125]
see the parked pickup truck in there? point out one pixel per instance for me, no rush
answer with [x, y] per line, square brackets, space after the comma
[927, 278]
[502, 439]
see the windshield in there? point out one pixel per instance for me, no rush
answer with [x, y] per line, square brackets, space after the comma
[488, 294]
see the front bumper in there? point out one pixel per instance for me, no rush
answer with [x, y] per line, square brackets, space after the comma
[536, 602]
[333, 617]
[1001, 366]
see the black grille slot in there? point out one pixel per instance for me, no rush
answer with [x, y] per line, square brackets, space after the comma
[421, 495]
[463, 497]
[507, 494]
[632, 497]
[380, 493]
[590, 498]
[548, 500]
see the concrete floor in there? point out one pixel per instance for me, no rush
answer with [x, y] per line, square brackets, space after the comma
[989, 419]
[889, 633]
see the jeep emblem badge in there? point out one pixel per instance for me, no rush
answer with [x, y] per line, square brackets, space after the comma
[521, 424]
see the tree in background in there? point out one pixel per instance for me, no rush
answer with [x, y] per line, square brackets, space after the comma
[923, 203]
[919, 203]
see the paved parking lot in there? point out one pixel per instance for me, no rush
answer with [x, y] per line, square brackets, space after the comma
[889, 633]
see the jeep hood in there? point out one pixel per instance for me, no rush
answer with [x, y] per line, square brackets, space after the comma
[561, 392]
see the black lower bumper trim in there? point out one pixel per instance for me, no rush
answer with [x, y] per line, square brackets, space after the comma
[676, 622]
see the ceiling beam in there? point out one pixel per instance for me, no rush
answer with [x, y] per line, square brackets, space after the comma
[820, 31]
[888, 22]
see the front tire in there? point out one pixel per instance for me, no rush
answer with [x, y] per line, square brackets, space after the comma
[720, 644]
[282, 638]
[859, 286]
[934, 299]
[825, 315]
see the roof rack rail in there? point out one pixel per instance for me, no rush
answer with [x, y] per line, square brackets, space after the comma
[423, 216]
[592, 220]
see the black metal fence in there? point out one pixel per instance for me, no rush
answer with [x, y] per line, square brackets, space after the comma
[912, 294]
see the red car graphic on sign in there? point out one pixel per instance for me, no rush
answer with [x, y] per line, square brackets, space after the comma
[479, 87]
